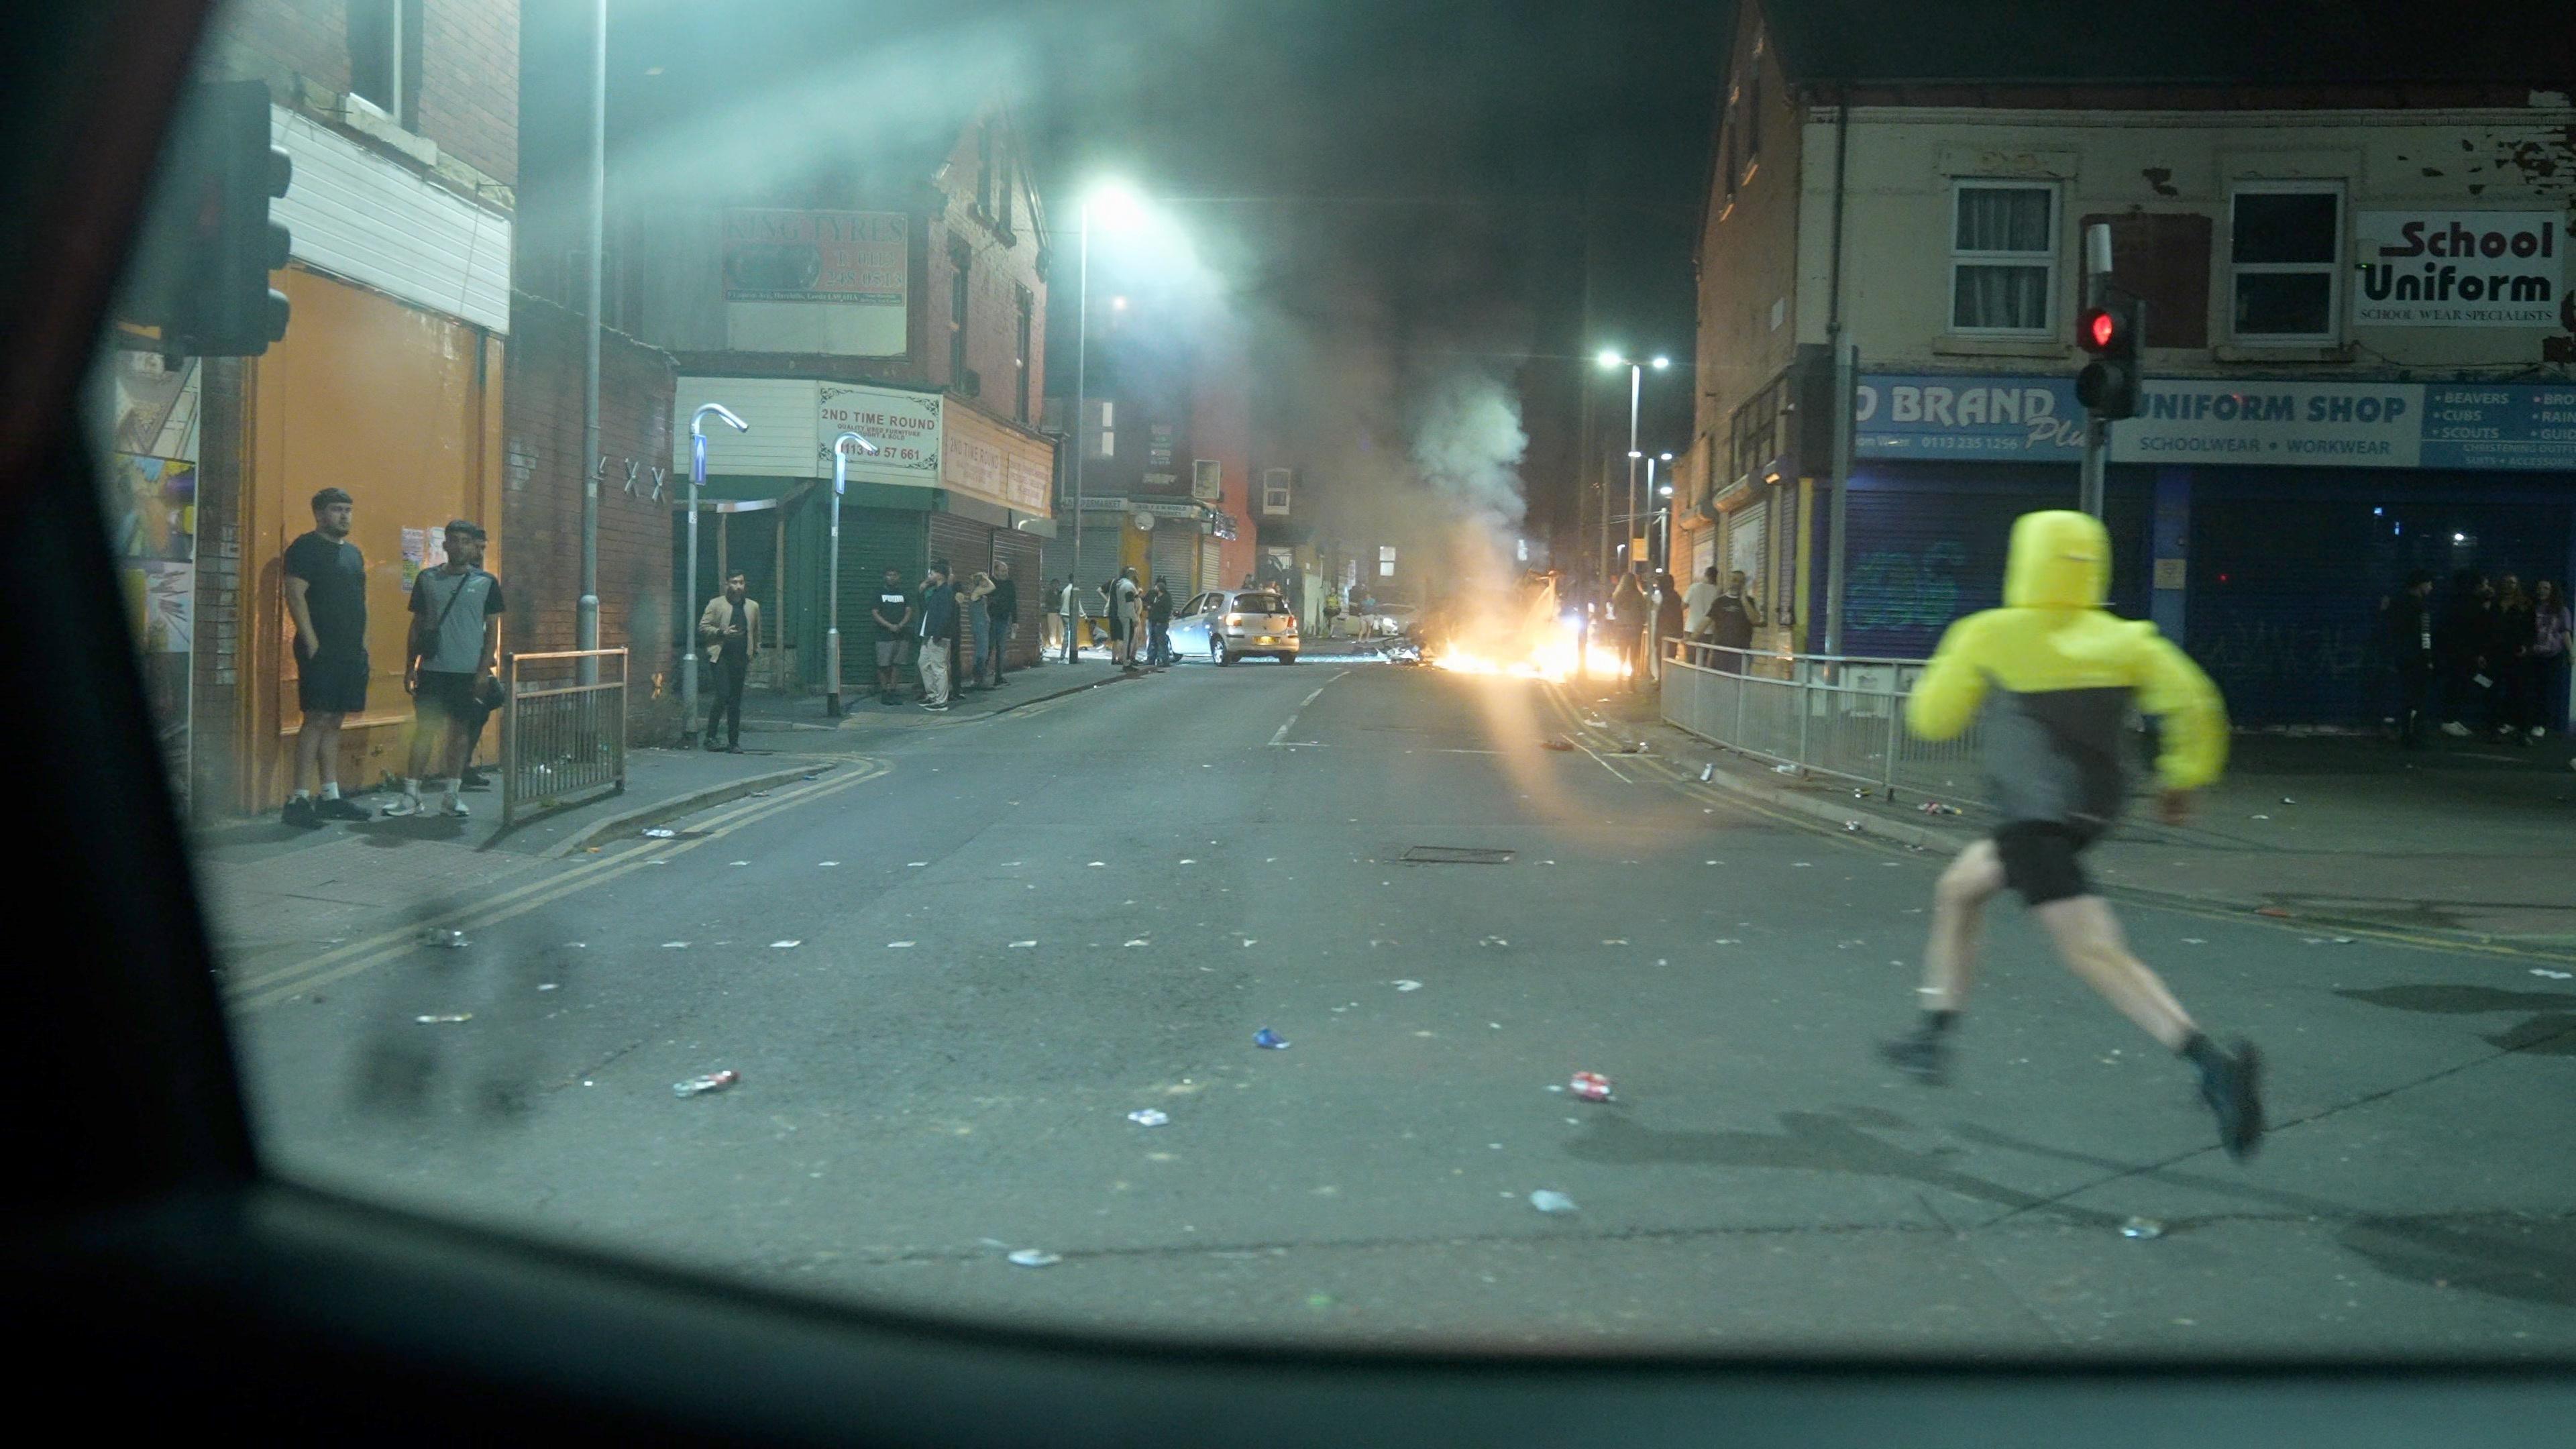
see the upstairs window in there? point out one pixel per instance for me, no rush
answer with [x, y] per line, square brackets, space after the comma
[384, 57]
[2003, 256]
[2284, 246]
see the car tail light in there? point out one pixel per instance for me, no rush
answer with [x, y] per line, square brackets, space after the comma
[1234, 621]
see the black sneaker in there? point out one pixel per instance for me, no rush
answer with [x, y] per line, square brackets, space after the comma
[2234, 1093]
[474, 780]
[341, 809]
[299, 813]
[1921, 1055]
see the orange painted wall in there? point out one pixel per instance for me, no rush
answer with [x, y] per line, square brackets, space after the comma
[402, 408]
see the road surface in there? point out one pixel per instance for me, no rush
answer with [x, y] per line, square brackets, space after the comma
[948, 971]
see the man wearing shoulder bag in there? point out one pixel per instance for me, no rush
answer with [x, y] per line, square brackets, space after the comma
[455, 633]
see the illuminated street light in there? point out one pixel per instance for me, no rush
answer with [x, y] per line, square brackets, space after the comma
[1610, 357]
[1116, 207]
[1660, 363]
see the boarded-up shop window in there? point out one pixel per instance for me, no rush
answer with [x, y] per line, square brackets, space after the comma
[2163, 257]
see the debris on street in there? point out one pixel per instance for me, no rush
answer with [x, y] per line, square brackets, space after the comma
[1548, 1200]
[1590, 1086]
[1148, 1117]
[442, 937]
[444, 1017]
[659, 832]
[2142, 1229]
[1034, 1258]
[1270, 1039]
[711, 1082]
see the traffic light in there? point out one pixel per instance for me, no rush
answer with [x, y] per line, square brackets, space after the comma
[201, 273]
[2114, 332]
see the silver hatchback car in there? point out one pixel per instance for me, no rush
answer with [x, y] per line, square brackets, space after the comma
[1232, 624]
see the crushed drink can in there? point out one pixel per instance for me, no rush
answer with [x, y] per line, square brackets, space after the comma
[711, 1082]
[1707, 773]
[1590, 1086]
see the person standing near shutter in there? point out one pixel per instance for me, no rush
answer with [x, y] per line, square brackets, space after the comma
[455, 635]
[938, 633]
[729, 630]
[326, 596]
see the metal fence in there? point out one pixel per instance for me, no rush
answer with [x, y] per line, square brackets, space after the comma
[1839, 716]
[563, 736]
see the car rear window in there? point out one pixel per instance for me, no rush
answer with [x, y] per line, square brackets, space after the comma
[1259, 604]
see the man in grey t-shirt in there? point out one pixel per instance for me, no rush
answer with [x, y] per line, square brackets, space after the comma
[455, 631]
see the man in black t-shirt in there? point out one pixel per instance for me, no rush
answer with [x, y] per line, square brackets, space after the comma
[893, 613]
[326, 596]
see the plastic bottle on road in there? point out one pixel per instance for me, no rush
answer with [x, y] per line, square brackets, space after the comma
[711, 1082]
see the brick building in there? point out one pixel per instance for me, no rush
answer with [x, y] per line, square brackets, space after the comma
[401, 118]
[896, 286]
[1919, 187]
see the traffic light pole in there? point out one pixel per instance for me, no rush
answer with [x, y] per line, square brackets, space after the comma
[2097, 443]
[2097, 429]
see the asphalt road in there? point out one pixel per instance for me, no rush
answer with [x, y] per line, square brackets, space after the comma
[948, 972]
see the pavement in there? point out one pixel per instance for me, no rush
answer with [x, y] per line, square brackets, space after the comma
[949, 969]
[2465, 841]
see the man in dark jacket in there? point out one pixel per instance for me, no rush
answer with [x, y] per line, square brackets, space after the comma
[938, 636]
[1158, 618]
[2410, 643]
[1002, 611]
[2461, 638]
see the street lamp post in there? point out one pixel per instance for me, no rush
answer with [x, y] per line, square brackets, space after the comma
[832, 588]
[586, 612]
[688, 606]
[1114, 198]
[1662, 511]
[1636, 386]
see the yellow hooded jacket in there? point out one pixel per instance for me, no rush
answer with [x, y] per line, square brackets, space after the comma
[2056, 677]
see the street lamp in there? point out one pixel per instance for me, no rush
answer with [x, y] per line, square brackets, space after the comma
[688, 607]
[832, 635]
[1610, 358]
[1664, 514]
[1118, 206]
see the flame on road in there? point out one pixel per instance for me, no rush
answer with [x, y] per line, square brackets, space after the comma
[1545, 643]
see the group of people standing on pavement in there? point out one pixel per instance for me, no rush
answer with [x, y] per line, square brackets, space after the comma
[958, 631]
[448, 655]
[1137, 619]
[2489, 657]
[1644, 616]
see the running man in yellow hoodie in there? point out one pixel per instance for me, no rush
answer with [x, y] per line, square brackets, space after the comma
[2054, 678]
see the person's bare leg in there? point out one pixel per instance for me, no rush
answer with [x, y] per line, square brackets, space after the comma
[2088, 937]
[308, 754]
[1949, 960]
[325, 735]
[2090, 940]
[1958, 909]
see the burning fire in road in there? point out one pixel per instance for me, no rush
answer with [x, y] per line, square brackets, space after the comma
[1544, 642]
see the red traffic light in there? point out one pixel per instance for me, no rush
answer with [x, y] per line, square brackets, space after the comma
[2100, 330]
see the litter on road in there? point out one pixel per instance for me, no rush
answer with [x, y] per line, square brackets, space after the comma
[444, 1017]
[1408, 986]
[1270, 1039]
[1590, 1086]
[1148, 1117]
[2552, 975]
[1548, 1200]
[675, 945]
[1034, 1258]
[711, 1082]
[2142, 1229]
[659, 832]
[1022, 945]
[443, 938]
[899, 945]
[785, 945]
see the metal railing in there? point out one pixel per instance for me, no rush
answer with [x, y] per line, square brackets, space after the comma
[1841, 716]
[563, 740]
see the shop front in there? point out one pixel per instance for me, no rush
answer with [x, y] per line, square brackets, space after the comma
[2259, 521]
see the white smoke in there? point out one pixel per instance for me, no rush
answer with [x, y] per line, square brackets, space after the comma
[1467, 445]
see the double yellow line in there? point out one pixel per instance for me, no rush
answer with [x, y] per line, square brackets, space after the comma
[268, 988]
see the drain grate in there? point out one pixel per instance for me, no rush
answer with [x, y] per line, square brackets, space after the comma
[1455, 855]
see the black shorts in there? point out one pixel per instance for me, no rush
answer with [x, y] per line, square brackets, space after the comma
[448, 697]
[332, 682]
[2039, 859]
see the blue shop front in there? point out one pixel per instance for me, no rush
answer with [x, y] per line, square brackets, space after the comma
[2259, 521]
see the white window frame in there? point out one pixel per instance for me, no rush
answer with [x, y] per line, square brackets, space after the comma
[1958, 258]
[1275, 485]
[2332, 267]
